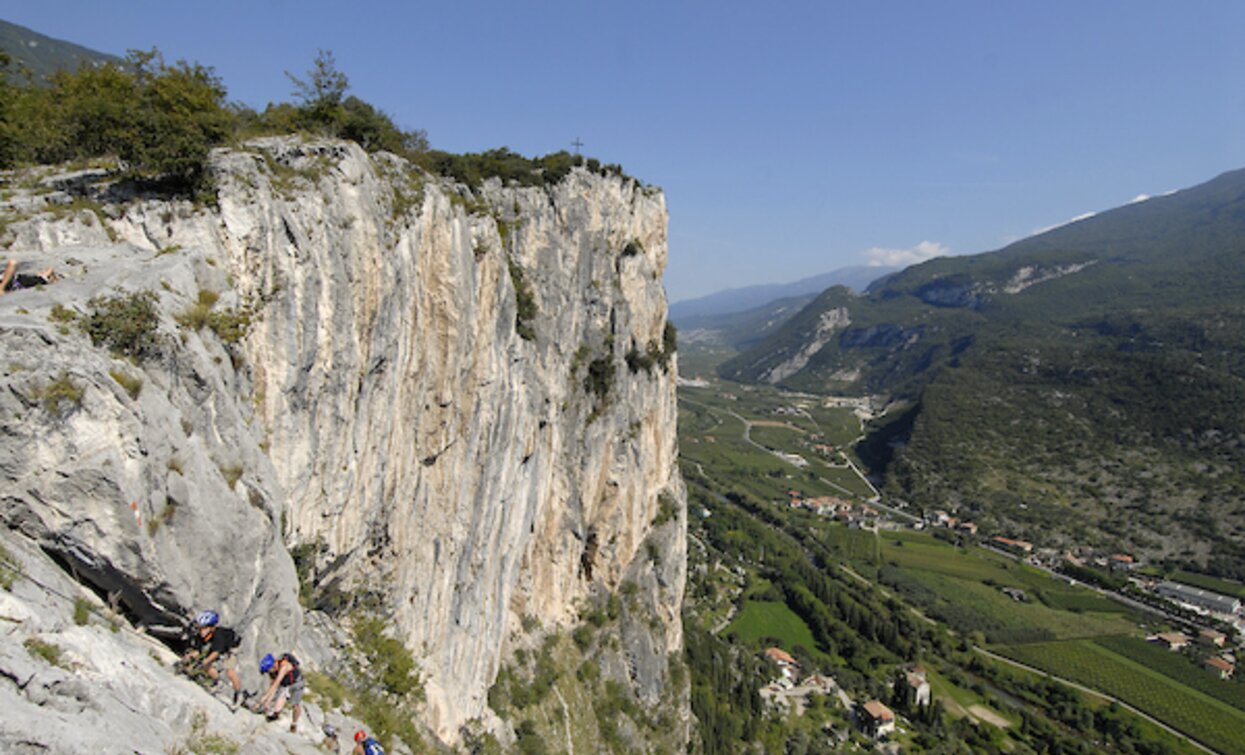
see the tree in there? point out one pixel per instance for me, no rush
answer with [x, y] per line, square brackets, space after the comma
[321, 94]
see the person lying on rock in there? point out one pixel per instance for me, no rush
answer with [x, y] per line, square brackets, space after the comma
[11, 280]
[214, 645]
[287, 683]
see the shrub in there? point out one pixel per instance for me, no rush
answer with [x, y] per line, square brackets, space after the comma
[81, 611]
[632, 248]
[330, 692]
[132, 385]
[666, 509]
[165, 515]
[230, 325]
[391, 663]
[10, 568]
[60, 393]
[600, 377]
[125, 323]
[46, 650]
[232, 473]
[525, 303]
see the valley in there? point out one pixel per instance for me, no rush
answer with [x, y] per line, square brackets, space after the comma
[794, 552]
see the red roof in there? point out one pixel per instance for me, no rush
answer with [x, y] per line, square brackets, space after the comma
[1220, 664]
[878, 712]
[778, 655]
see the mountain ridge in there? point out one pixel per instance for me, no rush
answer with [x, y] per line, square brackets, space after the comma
[733, 300]
[42, 55]
[1030, 370]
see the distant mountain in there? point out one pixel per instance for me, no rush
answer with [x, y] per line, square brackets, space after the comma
[741, 330]
[1096, 370]
[751, 297]
[43, 55]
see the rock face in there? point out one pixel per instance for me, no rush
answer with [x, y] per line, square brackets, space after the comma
[457, 400]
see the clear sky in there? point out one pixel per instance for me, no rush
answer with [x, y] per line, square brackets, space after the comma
[791, 138]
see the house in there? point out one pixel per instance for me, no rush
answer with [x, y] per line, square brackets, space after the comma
[1220, 667]
[1016, 546]
[916, 681]
[787, 665]
[969, 527]
[1172, 640]
[1198, 598]
[875, 719]
[1121, 562]
[1211, 637]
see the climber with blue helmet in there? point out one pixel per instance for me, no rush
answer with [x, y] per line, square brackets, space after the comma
[214, 645]
[288, 683]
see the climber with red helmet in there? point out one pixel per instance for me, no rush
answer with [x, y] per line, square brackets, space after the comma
[287, 683]
[365, 745]
[211, 644]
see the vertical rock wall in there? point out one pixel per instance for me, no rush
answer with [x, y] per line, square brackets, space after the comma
[437, 378]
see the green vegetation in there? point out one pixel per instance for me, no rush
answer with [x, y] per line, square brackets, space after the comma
[164, 517]
[1204, 717]
[61, 393]
[381, 687]
[203, 742]
[525, 303]
[230, 325]
[861, 606]
[1099, 406]
[160, 121]
[132, 385]
[125, 323]
[81, 611]
[511, 168]
[48, 651]
[10, 568]
[1176, 666]
[232, 473]
[770, 622]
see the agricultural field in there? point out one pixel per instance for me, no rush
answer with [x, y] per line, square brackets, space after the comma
[711, 436]
[1212, 721]
[854, 545]
[964, 587]
[961, 702]
[1178, 667]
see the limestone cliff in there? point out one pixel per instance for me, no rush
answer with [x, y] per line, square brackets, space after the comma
[455, 399]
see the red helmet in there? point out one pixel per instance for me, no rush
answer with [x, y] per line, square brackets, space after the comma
[360, 735]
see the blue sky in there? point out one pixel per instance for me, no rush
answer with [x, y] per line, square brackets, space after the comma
[791, 138]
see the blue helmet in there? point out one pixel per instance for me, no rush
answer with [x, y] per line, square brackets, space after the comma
[207, 619]
[266, 663]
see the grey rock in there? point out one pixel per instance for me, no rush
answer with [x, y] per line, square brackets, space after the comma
[383, 404]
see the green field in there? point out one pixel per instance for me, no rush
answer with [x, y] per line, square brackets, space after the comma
[963, 587]
[1176, 667]
[711, 437]
[1207, 582]
[766, 619]
[854, 545]
[1207, 719]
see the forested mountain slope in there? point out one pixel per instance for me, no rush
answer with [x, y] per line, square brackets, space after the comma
[1098, 368]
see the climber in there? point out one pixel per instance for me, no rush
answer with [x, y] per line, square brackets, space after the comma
[214, 643]
[365, 745]
[287, 682]
[330, 739]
